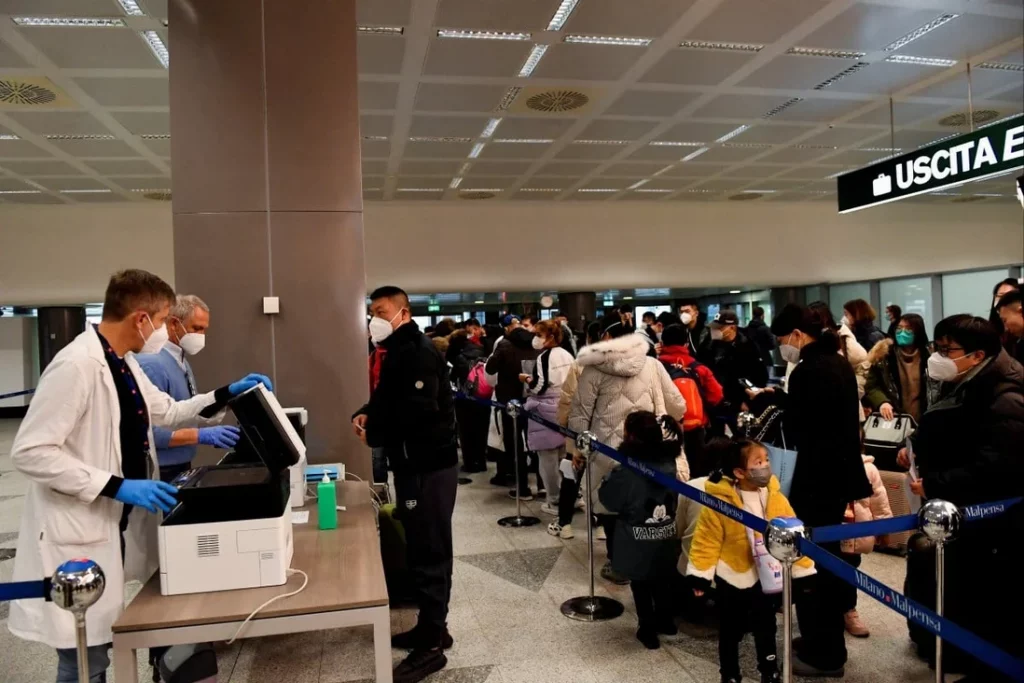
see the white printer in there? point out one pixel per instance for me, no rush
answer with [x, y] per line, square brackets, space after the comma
[232, 527]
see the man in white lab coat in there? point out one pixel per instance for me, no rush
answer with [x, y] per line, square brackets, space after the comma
[86, 446]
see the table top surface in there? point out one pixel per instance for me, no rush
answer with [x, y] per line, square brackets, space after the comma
[344, 567]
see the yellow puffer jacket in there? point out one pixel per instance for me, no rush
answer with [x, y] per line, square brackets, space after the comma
[720, 546]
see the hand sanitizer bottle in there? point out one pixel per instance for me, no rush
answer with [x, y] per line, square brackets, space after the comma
[327, 502]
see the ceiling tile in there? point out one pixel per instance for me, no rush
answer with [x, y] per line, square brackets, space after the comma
[631, 169]
[448, 126]
[809, 172]
[660, 153]
[103, 198]
[794, 155]
[383, 12]
[913, 139]
[642, 196]
[666, 184]
[606, 183]
[418, 196]
[496, 15]
[60, 123]
[615, 129]
[695, 197]
[499, 168]
[127, 92]
[377, 95]
[730, 155]
[9, 58]
[649, 18]
[777, 185]
[818, 109]
[868, 27]
[721, 185]
[437, 150]
[696, 67]
[143, 123]
[757, 170]
[30, 199]
[965, 36]
[375, 149]
[452, 57]
[94, 148]
[161, 148]
[902, 113]
[739, 106]
[840, 137]
[59, 8]
[587, 62]
[754, 21]
[10, 149]
[565, 168]
[692, 170]
[379, 54]
[486, 183]
[41, 168]
[123, 167]
[155, 8]
[429, 168]
[136, 183]
[375, 125]
[983, 81]
[422, 181]
[596, 152]
[373, 167]
[92, 48]
[77, 183]
[689, 131]
[883, 78]
[495, 150]
[535, 127]
[444, 97]
[791, 72]
[12, 184]
[772, 134]
[650, 103]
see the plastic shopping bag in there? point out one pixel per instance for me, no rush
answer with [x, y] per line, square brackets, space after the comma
[494, 438]
[769, 570]
[783, 462]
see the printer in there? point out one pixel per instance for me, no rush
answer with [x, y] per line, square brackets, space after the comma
[232, 527]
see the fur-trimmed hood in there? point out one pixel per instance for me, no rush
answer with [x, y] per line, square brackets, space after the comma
[879, 351]
[622, 357]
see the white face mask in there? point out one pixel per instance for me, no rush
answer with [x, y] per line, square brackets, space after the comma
[942, 369]
[538, 343]
[848, 321]
[717, 335]
[790, 353]
[156, 340]
[191, 342]
[381, 329]
[686, 318]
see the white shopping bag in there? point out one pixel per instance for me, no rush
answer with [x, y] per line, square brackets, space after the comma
[881, 185]
[494, 438]
[769, 570]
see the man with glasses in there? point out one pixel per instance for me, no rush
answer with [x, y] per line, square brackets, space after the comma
[969, 449]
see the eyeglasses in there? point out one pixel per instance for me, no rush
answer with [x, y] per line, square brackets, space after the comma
[945, 350]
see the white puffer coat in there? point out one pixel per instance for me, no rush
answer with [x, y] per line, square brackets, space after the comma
[619, 378]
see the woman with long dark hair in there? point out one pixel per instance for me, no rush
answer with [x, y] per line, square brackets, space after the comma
[898, 378]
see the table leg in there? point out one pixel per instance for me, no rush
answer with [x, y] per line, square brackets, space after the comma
[126, 668]
[381, 644]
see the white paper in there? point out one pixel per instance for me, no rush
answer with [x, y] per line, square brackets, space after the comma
[300, 516]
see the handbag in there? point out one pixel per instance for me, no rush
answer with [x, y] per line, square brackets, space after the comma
[477, 384]
[884, 438]
[783, 462]
[494, 438]
[769, 570]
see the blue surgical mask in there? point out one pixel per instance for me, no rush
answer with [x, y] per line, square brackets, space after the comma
[904, 337]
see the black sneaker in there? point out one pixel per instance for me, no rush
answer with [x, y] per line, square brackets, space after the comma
[417, 638]
[523, 495]
[649, 638]
[418, 665]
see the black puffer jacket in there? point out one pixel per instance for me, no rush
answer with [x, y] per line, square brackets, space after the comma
[507, 363]
[412, 411]
[734, 361]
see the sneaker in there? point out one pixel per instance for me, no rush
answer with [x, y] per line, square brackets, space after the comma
[417, 639]
[549, 509]
[418, 665]
[854, 626]
[609, 574]
[556, 529]
[524, 496]
[600, 534]
[802, 668]
[649, 638]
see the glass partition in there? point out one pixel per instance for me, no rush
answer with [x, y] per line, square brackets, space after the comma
[912, 294]
[840, 294]
[970, 292]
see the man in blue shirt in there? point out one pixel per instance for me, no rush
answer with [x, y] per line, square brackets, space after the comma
[170, 371]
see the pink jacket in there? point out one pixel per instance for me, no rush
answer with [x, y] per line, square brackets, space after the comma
[868, 509]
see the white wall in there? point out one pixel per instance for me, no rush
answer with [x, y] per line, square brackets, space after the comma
[65, 254]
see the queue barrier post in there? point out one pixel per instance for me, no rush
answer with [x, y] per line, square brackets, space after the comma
[940, 521]
[76, 586]
[590, 607]
[782, 539]
[515, 409]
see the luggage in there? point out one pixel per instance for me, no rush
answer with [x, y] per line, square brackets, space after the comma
[392, 552]
[189, 664]
[903, 502]
[920, 587]
[884, 438]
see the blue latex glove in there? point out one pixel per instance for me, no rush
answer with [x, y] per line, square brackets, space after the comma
[224, 436]
[248, 382]
[149, 494]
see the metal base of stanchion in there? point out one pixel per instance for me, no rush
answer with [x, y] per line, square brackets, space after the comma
[518, 521]
[465, 480]
[597, 608]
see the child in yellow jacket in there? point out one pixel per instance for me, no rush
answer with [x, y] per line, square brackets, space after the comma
[721, 550]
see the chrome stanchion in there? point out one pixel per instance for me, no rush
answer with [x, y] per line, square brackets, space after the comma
[77, 585]
[782, 539]
[940, 521]
[590, 607]
[514, 409]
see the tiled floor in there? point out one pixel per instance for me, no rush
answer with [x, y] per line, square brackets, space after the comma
[505, 617]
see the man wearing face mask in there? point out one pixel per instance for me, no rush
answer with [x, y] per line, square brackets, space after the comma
[411, 414]
[736, 363]
[969, 448]
[170, 372]
[87, 448]
[699, 335]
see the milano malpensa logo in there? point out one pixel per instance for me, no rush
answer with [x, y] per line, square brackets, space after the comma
[988, 151]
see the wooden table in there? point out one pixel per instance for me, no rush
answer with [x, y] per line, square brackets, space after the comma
[346, 588]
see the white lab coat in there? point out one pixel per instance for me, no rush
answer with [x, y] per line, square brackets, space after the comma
[68, 446]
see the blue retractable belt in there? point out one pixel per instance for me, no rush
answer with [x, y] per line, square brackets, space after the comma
[23, 590]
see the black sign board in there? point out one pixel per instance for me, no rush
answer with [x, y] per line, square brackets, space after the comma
[987, 151]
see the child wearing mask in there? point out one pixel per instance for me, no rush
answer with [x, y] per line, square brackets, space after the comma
[646, 544]
[721, 550]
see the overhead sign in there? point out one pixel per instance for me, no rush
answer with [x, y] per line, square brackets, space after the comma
[433, 308]
[985, 152]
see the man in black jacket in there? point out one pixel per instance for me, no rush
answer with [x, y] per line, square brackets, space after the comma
[735, 361]
[507, 363]
[762, 337]
[412, 414]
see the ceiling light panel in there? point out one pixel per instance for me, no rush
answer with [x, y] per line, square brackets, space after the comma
[482, 189]
[920, 31]
[601, 142]
[421, 189]
[382, 30]
[103, 191]
[824, 52]
[475, 152]
[70, 22]
[637, 184]
[561, 14]
[489, 129]
[523, 141]
[428, 138]
[624, 41]
[923, 61]
[532, 60]
[456, 181]
[733, 133]
[167, 136]
[727, 47]
[828, 82]
[597, 189]
[646, 189]
[1002, 66]
[156, 44]
[131, 8]
[674, 143]
[540, 189]
[693, 155]
[508, 98]
[20, 192]
[7, 136]
[482, 35]
[80, 137]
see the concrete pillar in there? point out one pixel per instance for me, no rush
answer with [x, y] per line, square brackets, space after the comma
[268, 202]
[577, 307]
[58, 326]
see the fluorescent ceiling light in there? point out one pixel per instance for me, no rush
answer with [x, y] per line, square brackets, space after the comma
[375, 138]
[482, 35]
[532, 60]
[645, 189]
[131, 8]
[880, 149]
[989, 194]
[72, 22]
[674, 143]
[489, 129]
[561, 14]
[664, 170]
[1003, 66]
[524, 141]
[837, 174]
[164, 189]
[19, 192]
[475, 152]
[465, 168]
[80, 137]
[841, 75]
[638, 184]
[733, 133]
[920, 31]
[748, 145]
[825, 52]
[756, 192]
[420, 189]
[430, 138]
[540, 189]
[481, 189]
[923, 61]
[627, 298]
[369, 189]
[166, 136]
[382, 30]
[601, 142]
[609, 40]
[699, 190]
[597, 189]
[735, 291]
[6, 136]
[714, 45]
[104, 191]
[695, 154]
[781, 108]
[157, 46]
[816, 147]
[478, 302]
[456, 181]
[508, 98]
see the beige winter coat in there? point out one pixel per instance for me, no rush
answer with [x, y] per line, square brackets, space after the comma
[619, 378]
